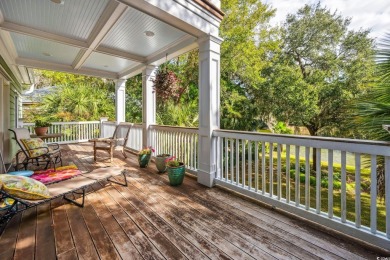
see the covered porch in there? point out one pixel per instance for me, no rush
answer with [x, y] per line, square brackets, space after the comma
[151, 220]
[120, 39]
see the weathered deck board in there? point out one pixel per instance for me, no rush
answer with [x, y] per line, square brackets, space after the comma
[151, 220]
[45, 243]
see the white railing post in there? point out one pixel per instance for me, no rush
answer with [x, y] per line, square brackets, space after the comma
[102, 120]
[209, 113]
[120, 101]
[20, 123]
[148, 103]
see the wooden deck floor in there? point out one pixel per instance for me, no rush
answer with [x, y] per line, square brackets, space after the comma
[151, 220]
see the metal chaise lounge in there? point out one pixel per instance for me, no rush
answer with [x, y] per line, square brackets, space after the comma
[75, 185]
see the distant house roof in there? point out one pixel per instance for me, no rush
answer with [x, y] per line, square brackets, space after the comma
[35, 96]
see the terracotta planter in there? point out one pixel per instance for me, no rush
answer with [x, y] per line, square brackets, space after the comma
[143, 160]
[160, 162]
[39, 131]
[176, 174]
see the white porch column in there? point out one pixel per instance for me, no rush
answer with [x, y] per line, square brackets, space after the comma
[148, 103]
[120, 101]
[209, 110]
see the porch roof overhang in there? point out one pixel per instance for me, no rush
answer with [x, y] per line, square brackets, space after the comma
[103, 38]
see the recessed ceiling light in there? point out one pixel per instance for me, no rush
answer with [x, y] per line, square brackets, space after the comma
[149, 33]
[46, 54]
[60, 2]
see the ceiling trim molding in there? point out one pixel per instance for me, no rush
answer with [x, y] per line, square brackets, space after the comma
[9, 73]
[9, 54]
[131, 72]
[12, 27]
[107, 20]
[9, 45]
[65, 68]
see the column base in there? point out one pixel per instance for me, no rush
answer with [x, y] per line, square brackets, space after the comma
[206, 178]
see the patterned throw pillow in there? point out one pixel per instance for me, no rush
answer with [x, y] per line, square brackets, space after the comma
[24, 187]
[35, 146]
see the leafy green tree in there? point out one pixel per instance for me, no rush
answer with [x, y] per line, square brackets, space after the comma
[246, 51]
[55, 78]
[134, 99]
[322, 69]
[81, 102]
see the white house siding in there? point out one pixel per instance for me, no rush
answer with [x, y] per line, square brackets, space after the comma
[7, 117]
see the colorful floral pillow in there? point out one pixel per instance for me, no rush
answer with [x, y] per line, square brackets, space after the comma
[24, 187]
[35, 146]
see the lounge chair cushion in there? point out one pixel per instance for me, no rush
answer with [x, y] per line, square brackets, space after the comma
[22, 173]
[24, 187]
[35, 146]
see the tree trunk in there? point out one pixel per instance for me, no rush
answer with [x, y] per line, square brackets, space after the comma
[313, 132]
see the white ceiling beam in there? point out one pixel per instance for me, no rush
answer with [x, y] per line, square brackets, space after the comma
[65, 68]
[121, 54]
[12, 27]
[107, 20]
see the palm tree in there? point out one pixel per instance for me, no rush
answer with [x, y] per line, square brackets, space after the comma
[373, 111]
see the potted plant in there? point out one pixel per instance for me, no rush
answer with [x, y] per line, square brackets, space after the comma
[160, 162]
[176, 171]
[41, 127]
[144, 156]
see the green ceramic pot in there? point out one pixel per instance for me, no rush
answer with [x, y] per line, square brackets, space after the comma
[160, 162]
[143, 160]
[176, 174]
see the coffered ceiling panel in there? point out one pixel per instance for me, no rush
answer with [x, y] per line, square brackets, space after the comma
[43, 50]
[129, 34]
[101, 61]
[71, 18]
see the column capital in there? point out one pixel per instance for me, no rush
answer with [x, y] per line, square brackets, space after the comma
[120, 82]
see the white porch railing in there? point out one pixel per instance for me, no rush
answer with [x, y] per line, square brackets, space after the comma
[107, 129]
[135, 138]
[72, 132]
[273, 169]
[181, 142]
[278, 170]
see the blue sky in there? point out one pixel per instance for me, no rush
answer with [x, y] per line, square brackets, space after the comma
[374, 14]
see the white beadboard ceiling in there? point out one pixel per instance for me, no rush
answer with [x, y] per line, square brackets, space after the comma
[73, 18]
[96, 37]
[37, 49]
[137, 23]
[101, 61]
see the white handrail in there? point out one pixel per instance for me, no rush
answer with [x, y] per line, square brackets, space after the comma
[72, 132]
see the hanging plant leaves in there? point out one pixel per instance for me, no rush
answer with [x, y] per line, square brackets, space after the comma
[167, 85]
